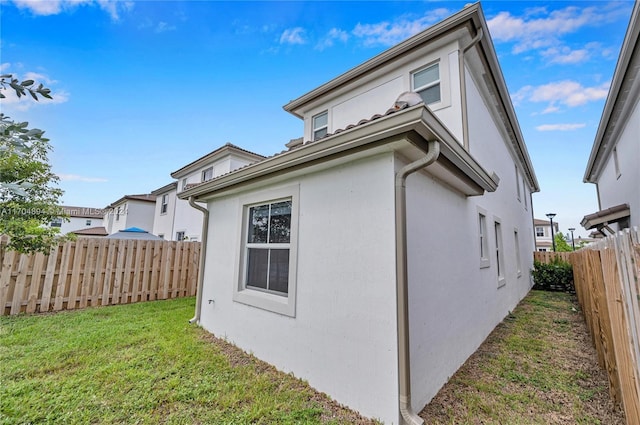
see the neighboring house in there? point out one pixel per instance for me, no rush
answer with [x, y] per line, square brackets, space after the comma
[542, 229]
[91, 232]
[174, 218]
[79, 218]
[375, 255]
[613, 163]
[134, 233]
[130, 211]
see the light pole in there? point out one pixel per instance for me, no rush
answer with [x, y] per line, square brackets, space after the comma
[553, 239]
[573, 244]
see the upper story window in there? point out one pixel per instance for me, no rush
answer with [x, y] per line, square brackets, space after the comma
[87, 223]
[56, 222]
[184, 183]
[165, 204]
[539, 231]
[320, 125]
[207, 174]
[426, 82]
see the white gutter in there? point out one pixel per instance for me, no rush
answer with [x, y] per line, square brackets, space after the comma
[409, 417]
[203, 252]
[463, 87]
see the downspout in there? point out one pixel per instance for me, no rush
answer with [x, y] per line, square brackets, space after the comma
[402, 283]
[203, 252]
[463, 88]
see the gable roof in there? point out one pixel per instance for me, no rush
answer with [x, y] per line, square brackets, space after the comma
[166, 188]
[92, 231]
[471, 18]
[623, 96]
[222, 151]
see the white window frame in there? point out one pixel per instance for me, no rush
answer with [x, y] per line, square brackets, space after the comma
[437, 82]
[284, 304]
[205, 172]
[164, 204]
[525, 194]
[616, 163]
[543, 232]
[87, 222]
[518, 184]
[483, 239]
[56, 222]
[180, 235]
[500, 264]
[315, 129]
[184, 183]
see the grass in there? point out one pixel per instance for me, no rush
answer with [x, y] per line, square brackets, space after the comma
[537, 367]
[143, 364]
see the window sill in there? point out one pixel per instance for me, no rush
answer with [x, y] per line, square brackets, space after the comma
[265, 301]
[502, 282]
[484, 263]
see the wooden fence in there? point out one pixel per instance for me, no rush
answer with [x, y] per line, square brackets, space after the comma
[548, 256]
[607, 282]
[92, 271]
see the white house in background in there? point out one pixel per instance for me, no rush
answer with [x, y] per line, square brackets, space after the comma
[613, 164]
[174, 218]
[309, 265]
[130, 211]
[80, 218]
[542, 229]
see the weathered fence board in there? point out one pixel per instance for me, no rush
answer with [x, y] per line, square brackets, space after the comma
[91, 272]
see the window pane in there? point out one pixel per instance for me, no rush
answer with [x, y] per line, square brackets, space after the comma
[320, 120]
[430, 95]
[426, 76]
[258, 224]
[257, 262]
[280, 226]
[319, 134]
[279, 270]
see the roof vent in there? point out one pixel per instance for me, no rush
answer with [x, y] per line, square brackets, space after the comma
[407, 99]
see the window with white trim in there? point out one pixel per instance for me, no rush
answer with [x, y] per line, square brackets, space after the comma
[164, 205]
[484, 246]
[268, 251]
[207, 174]
[87, 223]
[180, 236]
[184, 183]
[526, 193]
[56, 222]
[320, 125]
[616, 163]
[499, 253]
[539, 231]
[426, 82]
[518, 183]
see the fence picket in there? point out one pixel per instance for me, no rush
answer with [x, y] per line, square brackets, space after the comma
[36, 278]
[47, 289]
[62, 276]
[21, 281]
[76, 268]
[5, 278]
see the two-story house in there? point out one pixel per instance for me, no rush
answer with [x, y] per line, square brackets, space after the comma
[613, 163]
[378, 252]
[175, 219]
[544, 237]
[77, 219]
[130, 211]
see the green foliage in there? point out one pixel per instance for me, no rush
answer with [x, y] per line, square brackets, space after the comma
[555, 276]
[561, 243]
[28, 196]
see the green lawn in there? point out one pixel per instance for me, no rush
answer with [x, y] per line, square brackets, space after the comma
[143, 363]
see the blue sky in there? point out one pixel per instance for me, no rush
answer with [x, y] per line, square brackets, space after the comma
[142, 88]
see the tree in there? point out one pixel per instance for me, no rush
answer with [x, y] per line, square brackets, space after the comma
[561, 243]
[28, 196]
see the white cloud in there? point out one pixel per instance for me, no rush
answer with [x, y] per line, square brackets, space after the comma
[163, 27]
[333, 35]
[77, 178]
[560, 127]
[390, 33]
[569, 93]
[54, 7]
[293, 36]
[541, 29]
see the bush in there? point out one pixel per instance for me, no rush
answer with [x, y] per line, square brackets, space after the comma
[555, 276]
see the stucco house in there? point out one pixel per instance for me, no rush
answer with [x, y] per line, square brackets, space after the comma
[174, 219]
[377, 253]
[542, 229]
[130, 211]
[613, 163]
[77, 218]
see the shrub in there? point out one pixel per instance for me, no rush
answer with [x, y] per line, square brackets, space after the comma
[555, 276]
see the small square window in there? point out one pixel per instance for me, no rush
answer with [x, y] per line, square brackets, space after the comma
[426, 82]
[56, 222]
[320, 125]
[207, 174]
[180, 236]
[87, 223]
